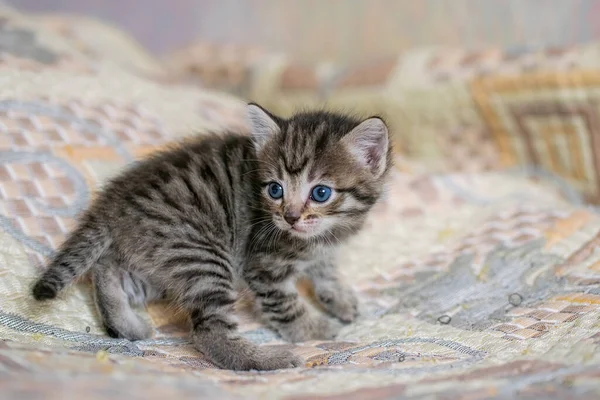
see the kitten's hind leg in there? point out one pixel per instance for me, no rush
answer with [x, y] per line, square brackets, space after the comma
[206, 292]
[113, 302]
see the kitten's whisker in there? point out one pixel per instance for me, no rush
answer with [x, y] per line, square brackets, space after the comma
[259, 221]
[258, 208]
[260, 234]
[276, 237]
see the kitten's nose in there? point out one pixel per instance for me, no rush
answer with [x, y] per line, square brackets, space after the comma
[291, 217]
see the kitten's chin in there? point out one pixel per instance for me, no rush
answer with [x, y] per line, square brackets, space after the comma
[299, 232]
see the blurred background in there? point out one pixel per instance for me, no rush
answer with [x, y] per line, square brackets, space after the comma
[494, 110]
[466, 85]
[341, 30]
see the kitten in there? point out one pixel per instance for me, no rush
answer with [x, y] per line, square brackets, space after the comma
[189, 223]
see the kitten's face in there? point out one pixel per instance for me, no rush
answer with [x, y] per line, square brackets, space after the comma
[305, 204]
[320, 173]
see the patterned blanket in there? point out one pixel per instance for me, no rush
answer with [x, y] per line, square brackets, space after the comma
[472, 285]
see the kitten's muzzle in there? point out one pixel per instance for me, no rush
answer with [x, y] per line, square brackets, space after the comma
[291, 217]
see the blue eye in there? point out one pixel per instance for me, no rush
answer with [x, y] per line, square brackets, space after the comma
[320, 193]
[275, 190]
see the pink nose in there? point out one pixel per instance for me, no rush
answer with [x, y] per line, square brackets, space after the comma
[291, 217]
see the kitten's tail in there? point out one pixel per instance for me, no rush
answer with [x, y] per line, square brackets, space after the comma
[78, 253]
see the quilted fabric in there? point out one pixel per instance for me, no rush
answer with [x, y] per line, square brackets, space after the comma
[472, 285]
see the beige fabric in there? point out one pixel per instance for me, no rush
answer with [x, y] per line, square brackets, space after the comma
[472, 285]
[465, 111]
[100, 41]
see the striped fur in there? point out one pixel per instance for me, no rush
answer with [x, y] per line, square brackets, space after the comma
[191, 222]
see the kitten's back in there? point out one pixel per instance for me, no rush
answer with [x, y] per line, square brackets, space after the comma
[198, 182]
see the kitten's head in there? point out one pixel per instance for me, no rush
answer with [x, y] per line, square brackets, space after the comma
[320, 172]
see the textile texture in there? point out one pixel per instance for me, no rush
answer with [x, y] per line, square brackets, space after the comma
[463, 110]
[477, 283]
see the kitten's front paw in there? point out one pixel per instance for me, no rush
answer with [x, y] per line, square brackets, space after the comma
[240, 354]
[134, 329]
[268, 359]
[342, 304]
[326, 329]
[315, 328]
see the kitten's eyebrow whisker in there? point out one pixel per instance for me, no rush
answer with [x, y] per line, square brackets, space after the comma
[250, 172]
[260, 161]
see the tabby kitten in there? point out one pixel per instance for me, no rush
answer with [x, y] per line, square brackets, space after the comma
[190, 223]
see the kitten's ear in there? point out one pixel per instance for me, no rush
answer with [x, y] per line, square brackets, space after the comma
[369, 143]
[262, 125]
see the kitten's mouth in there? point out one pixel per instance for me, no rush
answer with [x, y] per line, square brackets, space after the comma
[302, 231]
[299, 230]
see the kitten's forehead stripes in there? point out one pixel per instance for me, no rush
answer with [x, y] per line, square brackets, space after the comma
[300, 143]
[296, 167]
[296, 149]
